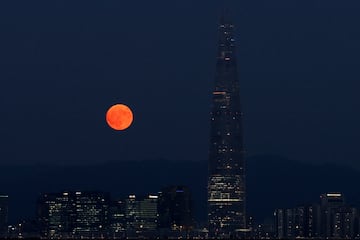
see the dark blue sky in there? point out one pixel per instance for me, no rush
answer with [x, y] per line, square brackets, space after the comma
[63, 63]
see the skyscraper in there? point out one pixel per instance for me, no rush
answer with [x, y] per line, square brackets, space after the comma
[141, 216]
[299, 222]
[73, 214]
[91, 214]
[4, 211]
[226, 182]
[56, 215]
[117, 219]
[175, 211]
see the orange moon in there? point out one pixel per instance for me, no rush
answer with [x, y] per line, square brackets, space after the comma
[119, 117]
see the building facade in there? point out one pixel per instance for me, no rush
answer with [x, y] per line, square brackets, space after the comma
[332, 218]
[175, 209]
[226, 180]
[73, 214]
[117, 219]
[4, 212]
[91, 214]
[141, 216]
[299, 222]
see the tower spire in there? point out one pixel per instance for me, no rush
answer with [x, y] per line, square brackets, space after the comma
[225, 14]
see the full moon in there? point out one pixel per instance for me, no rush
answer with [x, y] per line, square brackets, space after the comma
[119, 117]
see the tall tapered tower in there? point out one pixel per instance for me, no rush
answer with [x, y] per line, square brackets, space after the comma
[226, 183]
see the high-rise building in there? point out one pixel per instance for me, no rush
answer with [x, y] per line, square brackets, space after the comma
[4, 211]
[73, 214]
[175, 211]
[329, 202]
[117, 219]
[299, 222]
[91, 214]
[280, 224]
[226, 180]
[338, 220]
[332, 218]
[141, 216]
[344, 221]
[56, 215]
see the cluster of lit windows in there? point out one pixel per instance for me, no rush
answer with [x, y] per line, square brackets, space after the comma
[226, 187]
[73, 213]
[142, 213]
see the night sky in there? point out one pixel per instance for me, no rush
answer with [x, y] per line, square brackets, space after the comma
[63, 63]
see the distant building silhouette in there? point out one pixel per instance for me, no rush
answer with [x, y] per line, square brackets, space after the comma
[73, 214]
[332, 218]
[338, 219]
[141, 216]
[87, 215]
[299, 222]
[226, 180]
[91, 214]
[56, 214]
[117, 219]
[175, 209]
[4, 212]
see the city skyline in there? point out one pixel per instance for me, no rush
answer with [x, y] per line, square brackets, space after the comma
[297, 64]
[79, 214]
